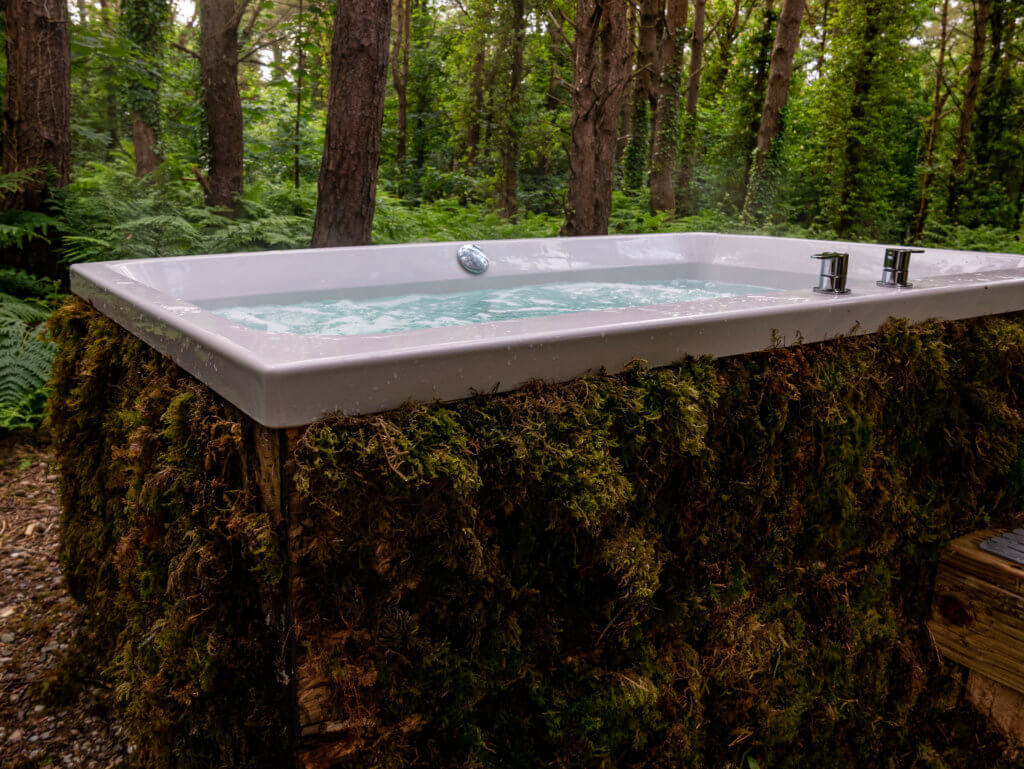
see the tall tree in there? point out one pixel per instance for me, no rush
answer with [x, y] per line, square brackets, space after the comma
[37, 114]
[666, 141]
[862, 115]
[508, 189]
[759, 89]
[780, 73]
[982, 10]
[218, 63]
[347, 188]
[645, 94]
[400, 71]
[939, 96]
[143, 24]
[688, 160]
[600, 74]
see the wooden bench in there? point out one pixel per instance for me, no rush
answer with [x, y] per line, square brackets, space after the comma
[977, 620]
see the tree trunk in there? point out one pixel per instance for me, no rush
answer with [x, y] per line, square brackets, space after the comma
[143, 24]
[218, 63]
[687, 163]
[645, 95]
[400, 72]
[300, 70]
[347, 189]
[823, 43]
[938, 102]
[37, 115]
[760, 91]
[476, 89]
[666, 143]
[780, 73]
[982, 11]
[600, 74]
[509, 150]
[144, 140]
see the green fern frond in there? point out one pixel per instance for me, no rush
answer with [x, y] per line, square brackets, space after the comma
[25, 360]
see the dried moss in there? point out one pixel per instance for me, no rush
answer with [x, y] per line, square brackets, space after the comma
[683, 567]
[165, 543]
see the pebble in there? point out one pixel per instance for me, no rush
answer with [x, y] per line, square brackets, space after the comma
[16, 736]
[7, 638]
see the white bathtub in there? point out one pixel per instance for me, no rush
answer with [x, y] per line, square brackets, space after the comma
[285, 380]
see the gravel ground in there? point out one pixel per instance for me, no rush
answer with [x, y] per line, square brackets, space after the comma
[37, 621]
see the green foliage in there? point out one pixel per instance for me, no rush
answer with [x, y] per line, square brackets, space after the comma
[110, 214]
[635, 162]
[143, 25]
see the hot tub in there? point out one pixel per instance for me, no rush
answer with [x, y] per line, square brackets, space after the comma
[759, 296]
[692, 563]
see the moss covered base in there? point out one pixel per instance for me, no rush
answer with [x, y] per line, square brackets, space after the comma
[717, 564]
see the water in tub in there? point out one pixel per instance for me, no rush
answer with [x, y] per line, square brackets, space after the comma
[406, 312]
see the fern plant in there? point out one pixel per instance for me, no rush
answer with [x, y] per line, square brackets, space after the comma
[25, 356]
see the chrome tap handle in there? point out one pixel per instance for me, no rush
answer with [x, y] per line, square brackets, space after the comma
[896, 267]
[832, 279]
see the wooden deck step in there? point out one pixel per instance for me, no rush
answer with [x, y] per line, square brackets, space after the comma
[977, 620]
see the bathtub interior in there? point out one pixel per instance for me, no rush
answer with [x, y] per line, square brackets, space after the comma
[289, 379]
[778, 264]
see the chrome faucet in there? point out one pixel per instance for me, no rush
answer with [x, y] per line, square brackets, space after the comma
[833, 273]
[896, 268]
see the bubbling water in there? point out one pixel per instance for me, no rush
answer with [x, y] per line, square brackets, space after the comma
[407, 312]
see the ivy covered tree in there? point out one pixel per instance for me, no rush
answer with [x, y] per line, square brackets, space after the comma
[143, 26]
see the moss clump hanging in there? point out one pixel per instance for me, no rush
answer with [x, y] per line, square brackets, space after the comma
[721, 563]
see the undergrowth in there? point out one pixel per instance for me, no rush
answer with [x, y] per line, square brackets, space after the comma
[25, 352]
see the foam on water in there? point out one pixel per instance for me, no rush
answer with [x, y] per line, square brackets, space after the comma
[407, 312]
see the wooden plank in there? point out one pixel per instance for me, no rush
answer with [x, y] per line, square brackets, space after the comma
[977, 617]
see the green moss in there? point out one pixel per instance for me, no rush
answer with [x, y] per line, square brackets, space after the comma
[714, 564]
[691, 566]
[165, 544]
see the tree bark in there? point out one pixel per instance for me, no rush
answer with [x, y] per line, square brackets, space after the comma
[635, 124]
[687, 163]
[666, 142]
[37, 115]
[780, 73]
[938, 102]
[600, 74]
[400, 72]
[509, 150]
[982, 11]
[347, 188]
[823, 43]
[144, 140]
[143, 25]
[760, 90]
[218, 63]
[476, 88]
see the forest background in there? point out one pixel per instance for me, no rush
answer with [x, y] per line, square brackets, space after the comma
[142, 128]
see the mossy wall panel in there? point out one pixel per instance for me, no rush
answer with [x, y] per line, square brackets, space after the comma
[714, 564]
